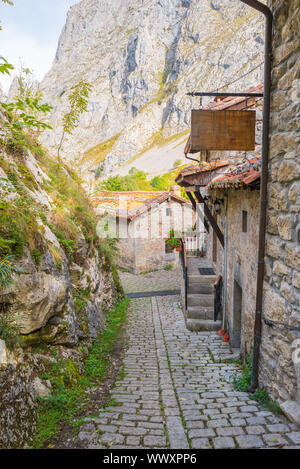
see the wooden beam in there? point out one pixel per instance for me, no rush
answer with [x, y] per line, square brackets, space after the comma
[203, 219]
[210, 218]
[190, 189]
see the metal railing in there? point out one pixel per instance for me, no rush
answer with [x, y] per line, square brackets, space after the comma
[194, 241]
[183, 259]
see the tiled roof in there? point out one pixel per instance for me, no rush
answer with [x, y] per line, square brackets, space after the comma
[236, 102]
[201, 174]
[246, 173]
[202, 167]
[131, 204]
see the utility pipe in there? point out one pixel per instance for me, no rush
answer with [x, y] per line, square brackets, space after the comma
[263, 186]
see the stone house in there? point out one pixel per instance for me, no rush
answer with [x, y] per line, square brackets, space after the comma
[143, 221]
[230, 188]
[234, 201]
[279, 357]
[279, 366]
[231, 193]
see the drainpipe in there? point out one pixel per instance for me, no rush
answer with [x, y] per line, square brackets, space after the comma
[263, 186]
[225, 264]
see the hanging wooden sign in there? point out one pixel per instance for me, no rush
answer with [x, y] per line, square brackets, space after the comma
[222, 130]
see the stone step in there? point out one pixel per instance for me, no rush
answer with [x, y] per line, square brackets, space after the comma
[194, 312]
[200, 279]
[197, 325]
[204, 288]
[199, 299]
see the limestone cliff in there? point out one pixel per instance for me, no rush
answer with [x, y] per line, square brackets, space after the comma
[57, 280]
[142, 57]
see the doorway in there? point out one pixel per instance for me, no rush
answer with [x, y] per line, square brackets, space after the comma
[237, 315]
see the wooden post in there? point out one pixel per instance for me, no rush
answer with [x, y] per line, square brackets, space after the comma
[203, 219]
[210, 218]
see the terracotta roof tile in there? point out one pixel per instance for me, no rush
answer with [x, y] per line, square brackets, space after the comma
[202, 167]
[131, 204]
[238, 176]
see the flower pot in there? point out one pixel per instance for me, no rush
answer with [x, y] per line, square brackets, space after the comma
[179, 248]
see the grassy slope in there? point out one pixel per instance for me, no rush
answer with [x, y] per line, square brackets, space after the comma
[69, 400]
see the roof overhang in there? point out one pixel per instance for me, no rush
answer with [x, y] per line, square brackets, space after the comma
[200, 176]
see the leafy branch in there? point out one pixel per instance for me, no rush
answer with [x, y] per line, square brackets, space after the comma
[78, 103]
[7, 268]
[5, 67]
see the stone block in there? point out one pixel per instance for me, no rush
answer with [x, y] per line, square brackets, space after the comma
[284, 224]
[224, 442]
[249, 441]
[292, 410]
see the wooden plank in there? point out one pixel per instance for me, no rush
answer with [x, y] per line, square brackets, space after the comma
[223, 130]
[210, 218]
[203, 219]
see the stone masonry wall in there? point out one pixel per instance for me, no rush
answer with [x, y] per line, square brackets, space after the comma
[145, 249]
[241, 262]
[282, 275]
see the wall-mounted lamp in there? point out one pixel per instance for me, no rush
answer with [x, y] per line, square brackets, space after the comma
[217, 205]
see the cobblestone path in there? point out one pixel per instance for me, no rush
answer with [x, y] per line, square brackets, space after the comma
[175, 391]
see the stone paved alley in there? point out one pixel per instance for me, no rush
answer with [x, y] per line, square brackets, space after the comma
[175, 391]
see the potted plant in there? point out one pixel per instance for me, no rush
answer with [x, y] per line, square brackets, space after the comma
[173, 242]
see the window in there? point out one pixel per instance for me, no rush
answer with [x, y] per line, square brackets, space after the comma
[245, 222]
[168, 212]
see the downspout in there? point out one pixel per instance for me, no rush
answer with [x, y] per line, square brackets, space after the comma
[263, 186]
[225, 264]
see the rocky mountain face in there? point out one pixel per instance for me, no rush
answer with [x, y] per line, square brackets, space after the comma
[57, 281]
[142, 57]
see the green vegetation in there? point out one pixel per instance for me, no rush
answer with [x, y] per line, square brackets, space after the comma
[25, 112]
[8, 332]
[7, 268]
[5, 67]
[173, 241]
[177, 163]
[242, 381]
[137, 181]
[71, 216]
[168, 267]
[78, 103]
[98, 153]
[68, 398]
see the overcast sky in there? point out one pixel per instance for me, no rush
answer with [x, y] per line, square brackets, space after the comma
[31, 29]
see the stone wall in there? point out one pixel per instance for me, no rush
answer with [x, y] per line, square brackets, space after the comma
[282, 275]
[18, 404]
[145, 250]
[241, 262]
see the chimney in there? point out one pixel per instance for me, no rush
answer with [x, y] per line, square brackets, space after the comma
[175, 190]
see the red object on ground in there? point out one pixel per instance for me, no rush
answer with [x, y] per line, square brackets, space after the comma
[222, 332]
[226, 338]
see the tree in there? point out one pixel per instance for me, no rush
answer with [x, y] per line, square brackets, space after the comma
[136, 180]
[78, 103]
[27, 110]
[5, 67]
